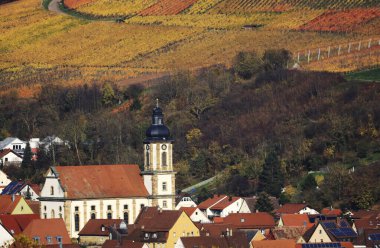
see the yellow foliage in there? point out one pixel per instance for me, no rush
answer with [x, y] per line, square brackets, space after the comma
[329, 151]
[193, 135]
[319, 179]
[115, 7]
[290, 190]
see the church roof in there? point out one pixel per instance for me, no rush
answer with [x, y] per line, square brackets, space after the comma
[101, 181]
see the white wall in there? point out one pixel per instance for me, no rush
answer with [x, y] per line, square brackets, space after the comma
[308, 210]
[5, 238]
[11, 158]
[168, 180]
[4, 181]
[185, 202]
[199, 216]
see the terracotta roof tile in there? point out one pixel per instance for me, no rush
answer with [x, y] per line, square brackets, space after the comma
[94, 227]
[224, 203]
[63, 246]
[291, 208]
[370, 223]
[7, 205]
[188, 210]
[10, 223]
[190, 242]
[210, 201]
[122, 244]
[282, 243]
[154, 219]
[296, 220]
[250, 220]
[215, 229]
[289, 232]
[35, 206]
[44, 228]
[102, 181]
[329, 211]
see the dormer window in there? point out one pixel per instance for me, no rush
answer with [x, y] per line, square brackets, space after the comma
[146, 236]
[59, 239]
[154, 235]
[242, 220]
[36, 239]
[48, 239]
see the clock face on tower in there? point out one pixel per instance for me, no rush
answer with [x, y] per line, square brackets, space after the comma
[163, 147]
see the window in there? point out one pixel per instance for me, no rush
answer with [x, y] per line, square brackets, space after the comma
[52, 214]
[109, 216]
[154, 235]
[60, 216]
[51, 190]
[48, 239]
[164, 186]
[146, 236]
[45, 215]
[164, 162]
[36, 239]
[242, 220]
[109, 207]
[126, 207]
[164, 204]
[147, 159]
[22, 208]
[45, 208]
[60, 208]
[76, 209]
[93, 208]
[93, 216]
[126, 217]
[320, 231]
[6, 159]
[76, 222]
[321, 240]
[59, 239]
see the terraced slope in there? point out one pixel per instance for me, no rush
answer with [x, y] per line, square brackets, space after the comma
[167, 7]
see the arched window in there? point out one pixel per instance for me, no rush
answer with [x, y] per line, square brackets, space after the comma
[164, 162]
[52, 214]
[76, 222]
[147, 159]
[126, 217]
[109, 216]
[93, 216]
[51, 190]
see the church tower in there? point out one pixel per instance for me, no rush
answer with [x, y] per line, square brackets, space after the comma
[159, 175]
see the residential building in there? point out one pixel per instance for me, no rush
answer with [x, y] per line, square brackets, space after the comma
[4, 180]
[237, 240]
[326, 245]
[123, 244]
[289, 232]
[25, 189]
[80, 193]
[184, 200]
[294, 220]
[223, 205]
[48, 232]
[158, 227]
[250, 221]
[16, 224]
[9, 157]
[295, 208]
[14, 144]
[97, 231]
[282, 243]
[329, 231]
[195, 214]
[14, 204]
[331, 211]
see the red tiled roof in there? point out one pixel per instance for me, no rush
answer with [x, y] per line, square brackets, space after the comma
[284, 232]
[94, 227]
[102, 181]
[370, 223]
[329, 211]
[250, 220]
[188, 210]
[363, 214]
[7, 205]
[10, 223]
[63, 246]
[291, 208]
[204, 241]
[281, 243]
[215, 229]
[211, 201]
[155, 220]
[122, 244]
[224, 203]
[347, 244]
[34, 205]
[48, 227]
[296, 220]
[6, 151]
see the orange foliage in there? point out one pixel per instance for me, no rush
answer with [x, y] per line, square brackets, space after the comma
[345, 20]
[72, 4]
[167, 7]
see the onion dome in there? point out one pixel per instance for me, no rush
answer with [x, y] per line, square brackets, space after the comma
[157, 131]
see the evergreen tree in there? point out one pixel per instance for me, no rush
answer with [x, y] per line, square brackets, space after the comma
[271, 179]
[263, 203]
[27, 159]
[309, 183]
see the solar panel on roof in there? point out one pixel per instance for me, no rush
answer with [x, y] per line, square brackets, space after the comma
[374, 237]
[344, 223]
[321, 245]
[348, 231]
[329, 225]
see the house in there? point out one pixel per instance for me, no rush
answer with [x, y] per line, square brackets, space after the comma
[48, 232]
[80, 193]
[14, 204]
[223, 205]
[250, 221]
[9, 157]
[282, 243]
[14, 144]
[4, 180]
[235, 241]
[255, 235]
[25, 189]
[294, 220]
[368, 238]
[184, 200]
[16, 224]
[97, 231]
[195, 214]
[124, 244]
[330, 231]
[158, 227]
[331, 211]
[295, 208]
[326, 245]
[251, 202]
[6, 238]
[216, 229]
[360, 225]
[50, 141]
